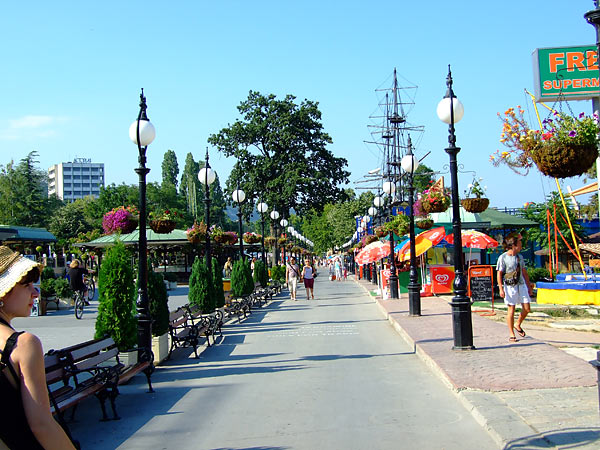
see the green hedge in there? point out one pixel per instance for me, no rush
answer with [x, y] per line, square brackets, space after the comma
[260, 273]
[537, 273]
[201, 292]
[159, 303]
[241, 279]
[278, 273]
[217, 273]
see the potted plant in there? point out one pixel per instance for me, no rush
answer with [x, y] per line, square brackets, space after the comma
[241, 279]
[121, 220]
[434, 200]
[399, 225]
[260, 273]
[159, 313]
[117, 311]
[162, 221]
[63, 291]
[197, 233]
[201, 291]
[565, 146]
[474, 202]
[278, 273]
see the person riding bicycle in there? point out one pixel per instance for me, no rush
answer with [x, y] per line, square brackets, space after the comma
[76, 273]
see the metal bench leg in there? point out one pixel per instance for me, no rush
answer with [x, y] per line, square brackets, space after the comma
[102, 396]
[148, 372]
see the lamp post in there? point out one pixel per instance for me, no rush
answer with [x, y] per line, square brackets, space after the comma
[262, 208]
[283, 223]
[409, 164]
[450, 110]
[274, 216]
[207, 177]
[142, 134]
[290, 231]
[239, 196]
[390, 189]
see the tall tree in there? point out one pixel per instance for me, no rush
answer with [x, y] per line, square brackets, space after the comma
[423, 177]
[190, 186]
[282, 155]
[70, 220]
[170, 168]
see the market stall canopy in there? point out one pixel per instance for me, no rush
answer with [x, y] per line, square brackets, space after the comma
[175, 237]
[474, 239]
[490, 218]
[592, 248]
[13, 234]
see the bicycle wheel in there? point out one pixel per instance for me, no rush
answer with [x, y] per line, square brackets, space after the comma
[91, 289]
[79, 304]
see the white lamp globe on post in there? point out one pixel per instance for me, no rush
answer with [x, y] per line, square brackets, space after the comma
[207, 176]
[238, 196]
[409, 163]
[372, 211]
[378, 202]
[389, 188]
[274, 216]
[444, 112]
[283, 223]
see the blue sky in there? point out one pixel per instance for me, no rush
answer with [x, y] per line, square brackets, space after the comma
[72, 72]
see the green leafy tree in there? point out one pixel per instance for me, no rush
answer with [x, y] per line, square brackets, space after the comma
[537, 213]
[217, 273]
[170, 168]
[116, 312]
[281, 150]
[423, 178]
[70, 220]
[201, 291]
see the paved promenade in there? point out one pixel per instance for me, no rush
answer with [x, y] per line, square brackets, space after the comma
[528, 394]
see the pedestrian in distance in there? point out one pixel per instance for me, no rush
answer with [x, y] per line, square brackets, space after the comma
[292, 274]
[338, 269]
[228, 268]
[308, 276]
[27, 422]
[514, 284]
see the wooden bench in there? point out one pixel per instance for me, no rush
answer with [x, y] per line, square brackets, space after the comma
[183, 331]
[236, 306]
[89, 368]
[213, 322]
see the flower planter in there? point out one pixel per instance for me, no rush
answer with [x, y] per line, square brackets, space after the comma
[435, 207]
[424, 224]
[160, 347]
[565, 160]
[475, 205]
[162, 226]
[128, 358]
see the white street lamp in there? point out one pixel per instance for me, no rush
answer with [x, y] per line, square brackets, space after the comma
[409, 163]
[283, 223]
[389, 188]
[378, 201]
[262, 207]
[238, 196]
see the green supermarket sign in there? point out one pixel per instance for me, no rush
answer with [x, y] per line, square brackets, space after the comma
[572, 71]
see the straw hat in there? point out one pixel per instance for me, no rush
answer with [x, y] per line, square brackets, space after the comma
[13, 267]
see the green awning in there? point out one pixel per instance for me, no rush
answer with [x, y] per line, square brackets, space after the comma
[488, 219]
[14, 234]
[175, 237]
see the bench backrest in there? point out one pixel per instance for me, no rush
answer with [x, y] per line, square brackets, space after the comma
[178, 317]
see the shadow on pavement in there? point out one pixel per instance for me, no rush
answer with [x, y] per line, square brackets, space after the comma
[565, 438]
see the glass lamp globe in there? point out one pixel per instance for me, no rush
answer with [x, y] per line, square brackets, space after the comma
[378, 202]
[262, 207]
[283, 223]
[147, 132]
[389, 188]
[274, 215]
[360, 229]
[443, 110]
[238, 196]
[207, 176]
[372, 211]
[409, 163]
[290, 229]
[367, 219]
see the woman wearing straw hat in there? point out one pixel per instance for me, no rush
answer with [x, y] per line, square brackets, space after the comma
[27, 422]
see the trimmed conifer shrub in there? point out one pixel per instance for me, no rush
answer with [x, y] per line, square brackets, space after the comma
[217, 274]
[201, 291]
[241, 279]
[278, 273]
[159, 303]
[116, 312]
[260, 273]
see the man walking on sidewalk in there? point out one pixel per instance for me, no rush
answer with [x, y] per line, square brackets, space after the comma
[513, 283]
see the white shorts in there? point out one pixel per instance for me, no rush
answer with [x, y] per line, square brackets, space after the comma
[293, 284]
[515, 295]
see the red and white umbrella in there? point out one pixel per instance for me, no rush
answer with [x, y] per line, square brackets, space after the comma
[373, 252]
[474, 239]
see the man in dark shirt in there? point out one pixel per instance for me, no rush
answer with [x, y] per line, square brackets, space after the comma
[76, 273]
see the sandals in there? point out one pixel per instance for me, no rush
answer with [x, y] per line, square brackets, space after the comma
[513, 339]
[521, 332]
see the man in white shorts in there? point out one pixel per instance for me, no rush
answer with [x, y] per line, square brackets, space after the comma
[513, 283]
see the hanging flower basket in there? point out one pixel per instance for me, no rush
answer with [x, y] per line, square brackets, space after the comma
[289, 246]
[563, 160]
[282, 241]
[251, 238]
[197, 233]
[399, 225]
[434, 201]
[120, 220]
[475, 205]
[380, 232]
[270, 241]
[162, 226]
[369, 238]
[424, 224]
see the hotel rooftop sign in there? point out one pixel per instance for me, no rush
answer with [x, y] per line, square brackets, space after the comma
[570, 71]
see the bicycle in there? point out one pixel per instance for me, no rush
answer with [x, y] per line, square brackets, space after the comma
[88, 280]
[79, 304]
